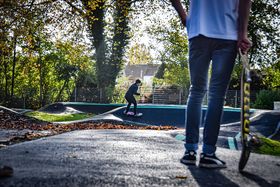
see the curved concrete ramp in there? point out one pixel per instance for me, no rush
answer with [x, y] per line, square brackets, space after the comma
[173, 115]
[266, 123]
[94, 108]
[159, 115]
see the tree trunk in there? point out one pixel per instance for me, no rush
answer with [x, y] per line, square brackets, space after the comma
[95, 19]
[41, 75]
[6, 79]
[120, 38]
[14, 67]
[61, 90]
[107, 70]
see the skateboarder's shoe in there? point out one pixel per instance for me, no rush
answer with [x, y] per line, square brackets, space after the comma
[211, 161]
[138, 114]
[189, 158]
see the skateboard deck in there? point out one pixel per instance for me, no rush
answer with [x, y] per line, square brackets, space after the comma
[132, 114]
[245, 112]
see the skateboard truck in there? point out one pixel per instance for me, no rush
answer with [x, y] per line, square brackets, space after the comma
[253, 141]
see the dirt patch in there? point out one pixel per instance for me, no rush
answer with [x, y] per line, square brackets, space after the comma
[9, 118]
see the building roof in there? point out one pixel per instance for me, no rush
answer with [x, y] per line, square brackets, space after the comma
[141, 70]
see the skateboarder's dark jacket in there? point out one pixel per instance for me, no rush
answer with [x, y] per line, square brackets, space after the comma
[132, 91]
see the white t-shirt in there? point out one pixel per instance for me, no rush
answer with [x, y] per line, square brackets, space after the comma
[213, 19]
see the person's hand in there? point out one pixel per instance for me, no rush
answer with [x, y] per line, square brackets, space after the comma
[244, 44]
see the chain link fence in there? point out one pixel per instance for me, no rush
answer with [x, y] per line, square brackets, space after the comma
[149, 95]
[161, 95]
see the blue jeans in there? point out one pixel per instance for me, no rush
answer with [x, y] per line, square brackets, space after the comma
[222, 53]
[131, 100]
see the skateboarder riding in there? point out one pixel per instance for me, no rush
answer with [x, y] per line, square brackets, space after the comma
[129, 96]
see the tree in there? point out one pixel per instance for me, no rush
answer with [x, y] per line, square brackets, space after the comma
[264, 31]
[174, 56]
[272, 76]
[160, 72]
[26, 27]
[139, 54]
[256, 76]
[109, 60]
[29, 58]
[71, 60]
[19, 20]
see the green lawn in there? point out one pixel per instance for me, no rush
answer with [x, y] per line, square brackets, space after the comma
[268, 147]
[58, 117]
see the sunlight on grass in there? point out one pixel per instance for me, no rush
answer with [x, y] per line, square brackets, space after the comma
[268, 147]
[58, 117]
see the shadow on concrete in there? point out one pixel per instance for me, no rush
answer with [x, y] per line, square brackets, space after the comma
[210, 177]
[259, 180]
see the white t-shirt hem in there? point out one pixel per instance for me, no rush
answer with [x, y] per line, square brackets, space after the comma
[216, 36]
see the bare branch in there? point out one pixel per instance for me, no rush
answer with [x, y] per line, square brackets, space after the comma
[80, 11]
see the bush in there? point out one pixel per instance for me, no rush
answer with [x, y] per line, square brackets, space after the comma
[120, 89]
[266, 98]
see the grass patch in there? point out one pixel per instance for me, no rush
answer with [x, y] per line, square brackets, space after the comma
[268, 147]
[58, 117]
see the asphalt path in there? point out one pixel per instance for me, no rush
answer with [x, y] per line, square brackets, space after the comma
[125, 158]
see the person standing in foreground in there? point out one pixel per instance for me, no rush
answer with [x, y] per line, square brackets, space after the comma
[129, 96]
[216, 30]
